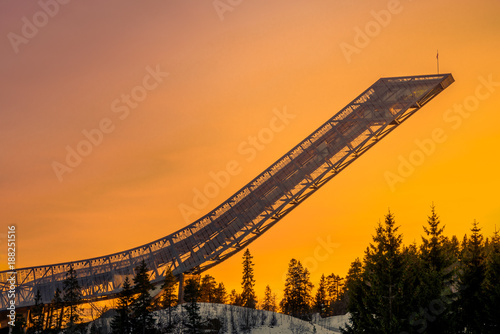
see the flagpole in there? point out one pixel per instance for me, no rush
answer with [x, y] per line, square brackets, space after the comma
[437, 60]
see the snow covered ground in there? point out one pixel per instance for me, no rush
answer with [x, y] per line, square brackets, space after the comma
[235, 319]
[261, 322]
[333, 323]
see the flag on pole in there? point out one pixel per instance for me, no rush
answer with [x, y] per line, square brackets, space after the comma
[437, 60]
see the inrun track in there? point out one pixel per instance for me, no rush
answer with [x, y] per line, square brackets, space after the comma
[253, 209]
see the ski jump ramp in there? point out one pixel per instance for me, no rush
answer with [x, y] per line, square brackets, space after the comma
[253, 209]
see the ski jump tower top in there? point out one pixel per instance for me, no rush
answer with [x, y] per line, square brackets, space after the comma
[253, 209]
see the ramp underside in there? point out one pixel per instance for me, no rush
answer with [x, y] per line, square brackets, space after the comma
[254, 208]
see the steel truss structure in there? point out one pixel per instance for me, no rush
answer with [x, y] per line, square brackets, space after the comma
[256, 207]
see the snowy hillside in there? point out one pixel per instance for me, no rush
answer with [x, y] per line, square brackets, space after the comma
[235, 319]
[333, 323]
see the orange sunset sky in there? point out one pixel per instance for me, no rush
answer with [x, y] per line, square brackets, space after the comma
[231, 65]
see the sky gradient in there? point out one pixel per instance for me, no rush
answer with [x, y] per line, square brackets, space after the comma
[177, 90]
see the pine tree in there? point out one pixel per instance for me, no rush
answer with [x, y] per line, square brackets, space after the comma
[274, 320]
[452, 247]
[37, 314]
[169, 296]
[383, 283]
[305, 292]
[191, 295]
[297, 294]
[384, 270]
[337, 305]
[437, 275]
[207, 289]
[122, 322]
[334, 291]
[72, 297]
[432, 245]
[331, 288]
[56, 312]
[320, 300]
[143, 321]
[248, 282]
[492, 287]
[416, 309]
[269, 303]
[472, 281]
[235, 298]
[356, 292]
[220, 294]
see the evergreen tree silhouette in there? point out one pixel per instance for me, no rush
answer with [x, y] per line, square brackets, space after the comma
[248, 282]
[72, 298]
[207, 289]
[360, 318]
[143, 321]
[56, 312]
[235, 298]
[122, 322]
[220, 294]
[472, 279]
[492, 286]
[297, 294]
[37, 314]
[269, 303]
[377, 303]
[191, 295]
[169, 296]
[438, 275]
[320, 299]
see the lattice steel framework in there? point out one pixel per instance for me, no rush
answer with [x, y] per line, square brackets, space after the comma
[254, 208]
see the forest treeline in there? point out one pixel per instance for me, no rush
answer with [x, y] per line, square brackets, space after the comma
[442, 285]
